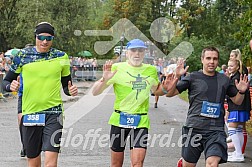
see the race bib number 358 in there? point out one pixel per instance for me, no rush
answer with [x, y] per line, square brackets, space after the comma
[34, 120]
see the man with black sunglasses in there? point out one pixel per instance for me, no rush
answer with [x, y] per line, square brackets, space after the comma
[44, 69]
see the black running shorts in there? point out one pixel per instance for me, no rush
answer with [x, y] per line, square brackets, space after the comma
[42, 138]
[118, 138]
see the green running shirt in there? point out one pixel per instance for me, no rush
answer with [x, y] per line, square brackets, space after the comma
[41, 74]
[132, 87]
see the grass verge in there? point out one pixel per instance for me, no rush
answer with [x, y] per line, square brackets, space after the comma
[184, 96]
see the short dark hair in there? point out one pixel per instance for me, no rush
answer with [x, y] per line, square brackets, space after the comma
[210, 48]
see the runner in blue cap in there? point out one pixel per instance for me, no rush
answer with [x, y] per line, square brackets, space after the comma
[132, 81]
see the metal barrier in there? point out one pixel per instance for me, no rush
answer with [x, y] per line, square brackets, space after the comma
[86, 72]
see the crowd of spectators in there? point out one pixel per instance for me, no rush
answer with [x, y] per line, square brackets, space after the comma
[5, 63]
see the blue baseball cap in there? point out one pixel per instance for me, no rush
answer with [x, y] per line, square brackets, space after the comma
[136, 43]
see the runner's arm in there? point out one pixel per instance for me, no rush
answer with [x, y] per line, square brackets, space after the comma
[241, 88]
[10, 76]
[238, 99]
[64, 82]
[172, 93]
[99, 86]
[181, 86]
[168, 85]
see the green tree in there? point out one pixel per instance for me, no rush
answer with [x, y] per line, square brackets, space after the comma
[244, 34]
[8, 17]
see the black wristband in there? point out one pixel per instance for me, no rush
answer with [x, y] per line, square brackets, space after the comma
[242, 93]
[7, 88]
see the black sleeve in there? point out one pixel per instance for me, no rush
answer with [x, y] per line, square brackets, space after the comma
[183, 84]
[10, 76]
[232, 90]
[244, 70]
[64, 82]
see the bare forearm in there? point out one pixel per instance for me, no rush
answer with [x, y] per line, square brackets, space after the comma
[172, 93]
[238, 99]
[99, 87]
[159, 91]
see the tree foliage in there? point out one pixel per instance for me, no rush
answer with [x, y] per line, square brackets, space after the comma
[244, 35]
[222, 23]
[19, 18]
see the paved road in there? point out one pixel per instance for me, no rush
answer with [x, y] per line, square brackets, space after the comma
[86, 133]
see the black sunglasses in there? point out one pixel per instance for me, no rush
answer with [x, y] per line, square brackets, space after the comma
[42, 37]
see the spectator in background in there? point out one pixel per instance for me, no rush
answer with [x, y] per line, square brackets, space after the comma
[7, 63]
[160, 74]
[223, 69]
[1, 62]
[250, 45]
[165, 62]
[1, 54]
[249, 73]
[2, 65]
[236, 55]
[95, 67]
[172, 66]
[238, 115]
[249, 76]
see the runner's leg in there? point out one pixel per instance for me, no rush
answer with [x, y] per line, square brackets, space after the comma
[213, 161]
[137, 156]
[51, 139]
[34, 162]
[118, 138]
[187, 164]
[138, 146]
[156, 101]
[51, 158]
[117, 159]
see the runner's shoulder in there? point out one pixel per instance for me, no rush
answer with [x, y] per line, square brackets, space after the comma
[57, 53]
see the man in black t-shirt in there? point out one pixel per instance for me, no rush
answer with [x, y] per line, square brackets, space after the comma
[204, 127]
